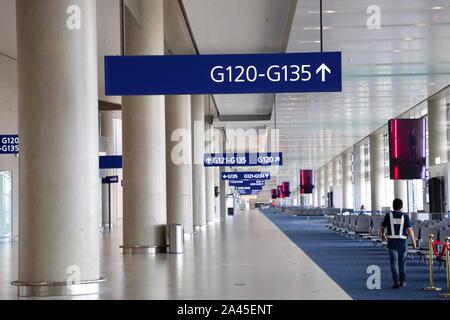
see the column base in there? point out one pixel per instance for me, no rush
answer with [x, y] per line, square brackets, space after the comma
[57, 289]
[144, 249]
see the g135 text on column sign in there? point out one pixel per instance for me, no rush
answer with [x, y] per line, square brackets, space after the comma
[9, 144]
[245, 175]
[243, 159]
[223, 74]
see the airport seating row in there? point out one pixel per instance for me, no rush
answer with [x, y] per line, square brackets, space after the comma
[310, 211]
[365, 227]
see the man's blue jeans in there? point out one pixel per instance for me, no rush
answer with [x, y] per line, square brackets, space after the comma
[398, 264]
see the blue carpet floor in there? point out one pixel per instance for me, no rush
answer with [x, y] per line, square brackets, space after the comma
[346, 260]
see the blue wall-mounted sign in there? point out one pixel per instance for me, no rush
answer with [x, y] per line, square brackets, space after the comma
[110, 162]
[9, 144]
[223, 73]
[110, 180]
[245, 175]
[243, 159]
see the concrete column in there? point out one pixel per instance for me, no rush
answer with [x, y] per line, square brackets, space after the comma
[209, 177]
[329, 174]
[217, 199]
[316, 188]
[437, 131]
[376, 171]
[144, 154]
[321, 187]
[357, 176]
[59, 237]
[347, 187]
[198, 170]
[107, 130]
[336, 174]
[218, 147]
[223, 195]
[401, 192]
[179, 161]
[209, 191]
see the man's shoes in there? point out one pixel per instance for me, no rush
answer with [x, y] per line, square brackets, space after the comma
[403, 284]
[396, 285]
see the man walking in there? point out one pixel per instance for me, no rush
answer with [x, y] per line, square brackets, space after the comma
[398, 227]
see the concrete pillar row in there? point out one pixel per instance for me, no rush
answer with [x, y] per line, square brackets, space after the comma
[144, 142]
[59, 241]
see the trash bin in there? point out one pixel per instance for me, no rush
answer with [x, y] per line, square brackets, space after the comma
[176, 238]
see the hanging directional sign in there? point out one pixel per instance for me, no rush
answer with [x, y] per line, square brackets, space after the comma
[110, 180]
[223, 74]
[248, 192]
[110, 162]
[243, 159]
[9, 144]
[249, 183]
[245, 175]
[239, 189]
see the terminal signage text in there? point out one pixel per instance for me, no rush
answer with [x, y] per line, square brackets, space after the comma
[223, 73]
[243, 159]
[246, 175]
[9, 144]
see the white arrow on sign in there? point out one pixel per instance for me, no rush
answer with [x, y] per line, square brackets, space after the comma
[324, 69]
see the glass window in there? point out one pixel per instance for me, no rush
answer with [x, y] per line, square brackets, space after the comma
[5, 204]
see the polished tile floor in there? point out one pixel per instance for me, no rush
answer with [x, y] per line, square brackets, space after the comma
[242, 257]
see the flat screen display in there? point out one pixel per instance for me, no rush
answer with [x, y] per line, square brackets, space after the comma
[274, 193]
[407, 149]
[306, 181]
[286, 189]
[280, 193]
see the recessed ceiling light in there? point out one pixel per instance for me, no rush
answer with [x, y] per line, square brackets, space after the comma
[332, 11]
[421, 25]
[396, 50]
[317, 41]
[408, 39]
[438, 8]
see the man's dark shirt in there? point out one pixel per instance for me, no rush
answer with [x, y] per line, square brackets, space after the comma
[397, 244]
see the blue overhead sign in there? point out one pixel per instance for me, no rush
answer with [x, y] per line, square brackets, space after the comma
[9, 144]
[245, 175]
[248, 192]
[250, 183]
[110, 162]
[223, 74]
[110, 180]
[243, 159]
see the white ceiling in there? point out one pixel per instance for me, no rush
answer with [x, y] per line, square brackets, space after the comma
[385, 73]
[8, 43]
[236, 26]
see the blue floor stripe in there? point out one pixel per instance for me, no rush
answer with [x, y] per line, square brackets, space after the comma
[346, 260]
